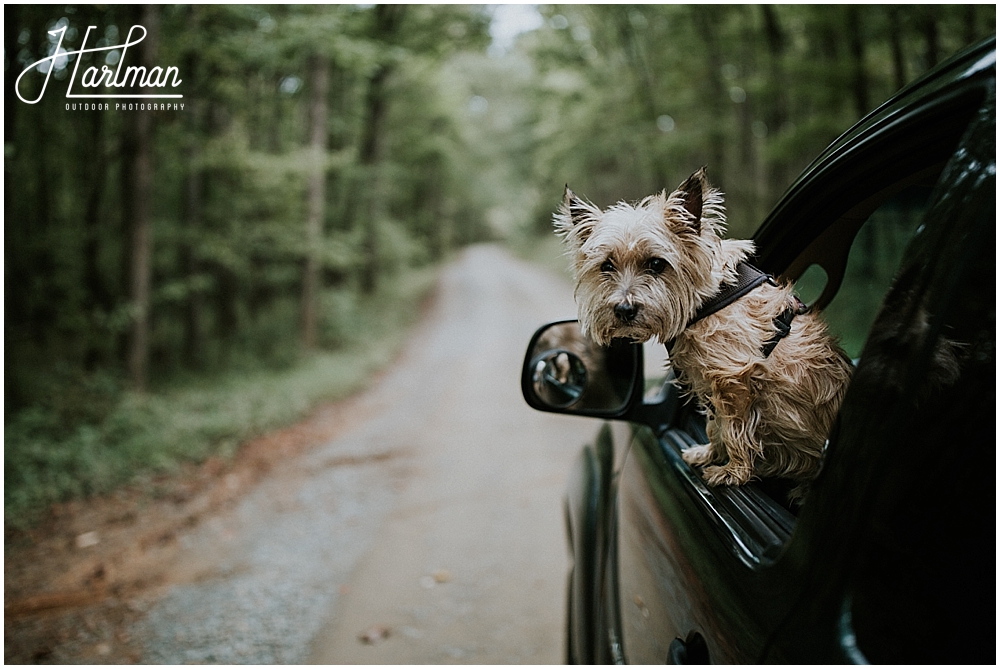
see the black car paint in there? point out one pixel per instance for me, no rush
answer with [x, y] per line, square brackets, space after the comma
[659, 575]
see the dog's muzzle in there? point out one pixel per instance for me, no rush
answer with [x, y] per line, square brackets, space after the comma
[626, 312]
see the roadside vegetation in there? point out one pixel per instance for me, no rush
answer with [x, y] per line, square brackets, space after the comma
[92, 439]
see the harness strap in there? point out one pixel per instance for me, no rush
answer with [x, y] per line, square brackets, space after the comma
[748, 278]
[782, 326]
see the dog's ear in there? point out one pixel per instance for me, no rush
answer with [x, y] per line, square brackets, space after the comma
[687, 201]
[576, 218]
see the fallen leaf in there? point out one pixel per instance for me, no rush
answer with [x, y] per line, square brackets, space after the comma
[87, 539]
[374, 634]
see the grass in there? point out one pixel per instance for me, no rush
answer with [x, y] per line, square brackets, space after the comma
[142, 435]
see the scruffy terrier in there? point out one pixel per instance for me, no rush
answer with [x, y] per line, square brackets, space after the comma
[764, 369]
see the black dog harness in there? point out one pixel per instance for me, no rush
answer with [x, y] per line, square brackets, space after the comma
[748, 278]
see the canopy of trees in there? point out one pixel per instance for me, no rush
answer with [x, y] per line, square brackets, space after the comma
[627, 100]
[322, 149]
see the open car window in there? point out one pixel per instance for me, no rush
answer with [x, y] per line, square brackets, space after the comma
[872, 263]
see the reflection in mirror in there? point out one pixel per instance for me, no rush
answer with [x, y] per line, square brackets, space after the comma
[568, 371]
[559, 378]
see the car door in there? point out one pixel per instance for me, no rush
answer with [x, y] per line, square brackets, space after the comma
[734, 575]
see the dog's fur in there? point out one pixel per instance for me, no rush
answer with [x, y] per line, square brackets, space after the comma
[642, 271]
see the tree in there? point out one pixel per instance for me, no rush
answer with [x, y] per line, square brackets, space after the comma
[137, 179]
[387, 19]
[319, 71]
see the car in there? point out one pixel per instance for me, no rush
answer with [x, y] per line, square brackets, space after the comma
[891, 556]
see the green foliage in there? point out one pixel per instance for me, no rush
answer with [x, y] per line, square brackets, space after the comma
[630, 99]
[231, 174]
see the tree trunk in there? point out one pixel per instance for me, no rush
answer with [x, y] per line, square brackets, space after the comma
[859, 75]
[12, 24]
[137, 190]
[931, 38]
[93, 176]
[98, 297]
[191, 345]
[320, 79]
[369, 176]
[387, 20]
[190, 267]
[646, 82]
[896, 44]
[705, 21]
[969, 24]
[227, 319]
[777, 174]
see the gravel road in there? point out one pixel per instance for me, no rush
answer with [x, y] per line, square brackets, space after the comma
[431, 525]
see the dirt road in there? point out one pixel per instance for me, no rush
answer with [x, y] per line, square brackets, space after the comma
[428, 529]
[470, 566]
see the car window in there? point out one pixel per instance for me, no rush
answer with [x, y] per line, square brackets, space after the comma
[872, 263]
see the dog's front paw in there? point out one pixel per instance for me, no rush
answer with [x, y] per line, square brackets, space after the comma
[698, 456]
[797, 495]
[727, 475]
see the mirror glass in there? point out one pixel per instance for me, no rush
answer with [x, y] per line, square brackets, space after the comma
[559, 378]
[567, 371]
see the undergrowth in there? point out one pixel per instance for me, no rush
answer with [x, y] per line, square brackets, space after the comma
[47, 460]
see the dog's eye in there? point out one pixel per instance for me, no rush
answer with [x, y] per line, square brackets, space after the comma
[656, 265]
[607, 266]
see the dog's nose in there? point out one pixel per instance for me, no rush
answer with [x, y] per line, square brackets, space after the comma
[626, 312]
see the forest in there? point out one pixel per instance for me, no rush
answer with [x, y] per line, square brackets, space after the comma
[184, 273]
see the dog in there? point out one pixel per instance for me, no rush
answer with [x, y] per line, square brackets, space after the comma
[764, 369]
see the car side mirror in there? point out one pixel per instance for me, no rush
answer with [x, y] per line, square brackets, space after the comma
[565, 372]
